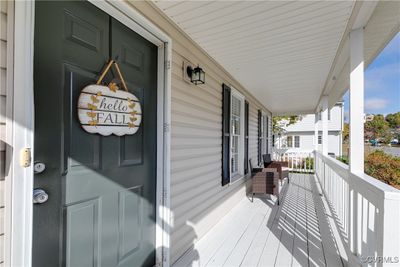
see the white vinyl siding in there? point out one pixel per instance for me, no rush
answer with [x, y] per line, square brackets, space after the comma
[306, 142]
[307, 123]
[198, 200]
[5, 61]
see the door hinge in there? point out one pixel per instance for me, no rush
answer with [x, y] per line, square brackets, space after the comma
[164, 258]
[25, 157]
[166, 127]
[168, 64]
[165, 194]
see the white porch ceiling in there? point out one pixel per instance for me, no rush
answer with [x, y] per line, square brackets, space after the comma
[279, 50]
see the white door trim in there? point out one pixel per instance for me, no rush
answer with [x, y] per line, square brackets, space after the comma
[23, 125]
[22, 137]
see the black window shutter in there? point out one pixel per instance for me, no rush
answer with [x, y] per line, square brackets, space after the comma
[266, 143]
[246, 137]
[259, 137]
[226, 133]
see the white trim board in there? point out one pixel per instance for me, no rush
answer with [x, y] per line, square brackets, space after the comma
[23, 124]
[9, 133]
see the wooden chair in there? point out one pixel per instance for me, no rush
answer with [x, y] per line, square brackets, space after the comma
[282, 167]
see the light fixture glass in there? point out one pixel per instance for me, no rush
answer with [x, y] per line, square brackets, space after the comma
[197, 75]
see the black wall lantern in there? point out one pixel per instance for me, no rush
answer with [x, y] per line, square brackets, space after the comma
[197, 75]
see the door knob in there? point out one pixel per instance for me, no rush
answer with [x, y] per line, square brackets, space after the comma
[39, 196]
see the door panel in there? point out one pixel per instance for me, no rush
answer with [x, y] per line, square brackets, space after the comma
[102, 190]
[130, 221]
[83, 234]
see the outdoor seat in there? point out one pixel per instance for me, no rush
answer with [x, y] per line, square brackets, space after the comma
[254, 170]
[264, 181]
[282, 167]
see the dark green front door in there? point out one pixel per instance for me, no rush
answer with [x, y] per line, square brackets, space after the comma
[102, 190]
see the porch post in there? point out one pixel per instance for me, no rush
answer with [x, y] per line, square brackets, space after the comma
[324, 102]
[356, 159]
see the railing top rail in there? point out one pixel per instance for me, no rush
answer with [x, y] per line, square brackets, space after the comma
[292, 150]
[362, 179]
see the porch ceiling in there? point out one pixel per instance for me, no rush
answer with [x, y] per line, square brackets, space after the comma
[279, 50]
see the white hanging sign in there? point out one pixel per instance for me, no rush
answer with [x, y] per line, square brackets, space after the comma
[107, 110]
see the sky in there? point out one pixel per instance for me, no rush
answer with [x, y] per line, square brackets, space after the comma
[382, 82]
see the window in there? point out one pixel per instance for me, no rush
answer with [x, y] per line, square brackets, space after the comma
[289, 141]
[297, 141]
[264, 134]
[234, 135]
[237, 134]
[319, 139]
[292, 141]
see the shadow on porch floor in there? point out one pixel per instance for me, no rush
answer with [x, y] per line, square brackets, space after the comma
[295, 233]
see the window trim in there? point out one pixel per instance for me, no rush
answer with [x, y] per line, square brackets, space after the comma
[240, 173]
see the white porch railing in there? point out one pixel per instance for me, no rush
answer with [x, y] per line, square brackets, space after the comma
[299, 160]
[366, 211]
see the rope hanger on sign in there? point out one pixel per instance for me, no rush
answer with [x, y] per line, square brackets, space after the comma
[107, 68]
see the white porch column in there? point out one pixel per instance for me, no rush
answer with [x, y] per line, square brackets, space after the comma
[356, 159]
[316, 132]
[324, 102]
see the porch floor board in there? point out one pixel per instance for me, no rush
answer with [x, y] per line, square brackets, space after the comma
[295, 233]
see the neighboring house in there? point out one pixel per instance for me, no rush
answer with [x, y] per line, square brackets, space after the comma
[300, 135]
[368, 117]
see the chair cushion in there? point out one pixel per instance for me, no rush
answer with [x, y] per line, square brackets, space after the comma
[267, 158]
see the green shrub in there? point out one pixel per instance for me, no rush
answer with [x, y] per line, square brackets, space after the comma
[309, 163]
[343, 159]
[383, 167]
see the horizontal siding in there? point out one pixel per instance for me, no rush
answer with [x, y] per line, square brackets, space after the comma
[3, 112]
[253, 133]
[198, 200]
[307, 142]
[307, 122]
[196, 150]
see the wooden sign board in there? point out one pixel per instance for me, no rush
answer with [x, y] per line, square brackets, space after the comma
[107, 111]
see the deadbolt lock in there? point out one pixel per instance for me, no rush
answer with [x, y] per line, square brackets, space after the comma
[39, 167]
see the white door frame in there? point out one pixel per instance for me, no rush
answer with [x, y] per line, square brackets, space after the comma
[23, 125]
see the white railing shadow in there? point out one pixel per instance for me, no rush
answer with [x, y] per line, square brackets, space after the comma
[366, 210]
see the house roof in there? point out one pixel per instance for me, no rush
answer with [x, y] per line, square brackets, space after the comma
[287, 54]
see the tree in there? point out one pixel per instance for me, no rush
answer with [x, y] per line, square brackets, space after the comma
[346, 132]
[280, 122]
[377, 128]
[393, 120]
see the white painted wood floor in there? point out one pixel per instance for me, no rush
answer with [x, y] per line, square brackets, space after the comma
[295, 233]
